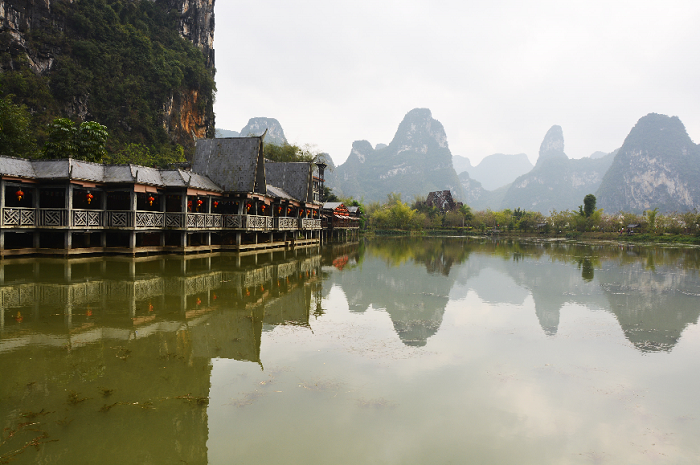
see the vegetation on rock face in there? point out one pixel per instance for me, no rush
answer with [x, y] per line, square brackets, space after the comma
[290, 152]
[118, 62]
[16, 137]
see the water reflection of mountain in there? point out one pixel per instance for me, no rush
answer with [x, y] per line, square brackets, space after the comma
[652, 292]
[132, 340]
[409, 278]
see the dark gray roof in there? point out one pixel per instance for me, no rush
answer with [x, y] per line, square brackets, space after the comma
[197, 181]
[18, 167]
[331, 205]
[236, 163]
[353, 209]
[51, 169]
[293, 177]
[86, 171]
[118, 174]
[277, 192]
[113, 174]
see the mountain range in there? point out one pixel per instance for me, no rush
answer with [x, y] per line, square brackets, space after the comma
[658, 165]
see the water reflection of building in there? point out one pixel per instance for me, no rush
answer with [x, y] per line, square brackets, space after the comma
[144, 329]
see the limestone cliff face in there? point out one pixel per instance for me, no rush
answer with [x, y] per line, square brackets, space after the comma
[258, 125]
[556, 182]
[186, 115]
[20, 17]
[657, 166]
[416, 162]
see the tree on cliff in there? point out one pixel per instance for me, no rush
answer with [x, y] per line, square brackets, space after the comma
[86, 141]
[16, 138]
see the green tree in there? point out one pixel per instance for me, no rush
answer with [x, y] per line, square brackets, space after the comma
[16, 138]
[651, 219]
[290, 152]
[86, 141]
[589, 205]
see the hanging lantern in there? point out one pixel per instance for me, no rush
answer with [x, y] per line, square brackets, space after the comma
[189, 205]
[216, 204]
[19, 195]
[150, 200]
[247, 206]
[279, 210]
[89, 197]
[289, 210]
[263, 208]
[199, 202]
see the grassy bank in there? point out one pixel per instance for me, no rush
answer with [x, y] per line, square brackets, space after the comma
[680, 239]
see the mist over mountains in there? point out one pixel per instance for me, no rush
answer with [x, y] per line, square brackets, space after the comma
[658, 165]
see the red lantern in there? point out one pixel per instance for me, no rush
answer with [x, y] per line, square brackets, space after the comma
[150, 200]
[216, 204]
[199, 202]
[19, 195]
[189, 205]
[279, 210]
[289, 210]
[263, 208]
[247, 206]
[89, 197]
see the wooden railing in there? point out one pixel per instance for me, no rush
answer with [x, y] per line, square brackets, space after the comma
[12, 217]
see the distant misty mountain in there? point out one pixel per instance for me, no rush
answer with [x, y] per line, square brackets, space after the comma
[461, 164]
[556, 182]
[498, 170]
[255, 127]
[657, 166]
[222, 133]
[416, 162]
[479, 198]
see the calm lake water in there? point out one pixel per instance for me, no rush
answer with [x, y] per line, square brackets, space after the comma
[395, 351]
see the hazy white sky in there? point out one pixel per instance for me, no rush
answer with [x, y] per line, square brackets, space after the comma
[496, 74]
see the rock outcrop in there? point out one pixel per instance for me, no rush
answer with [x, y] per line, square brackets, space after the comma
[556, 182]
[47, 36]
[658, 166]
[417, 161]
[257, 126]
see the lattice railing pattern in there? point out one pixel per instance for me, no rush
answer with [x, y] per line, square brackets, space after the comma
[286, 223]
[310, 223]
[174, 220]
[149, 219]
[119, 219]
[258, 223]
[233, 221]
[53, 218]
[87, 219]
[18, 217]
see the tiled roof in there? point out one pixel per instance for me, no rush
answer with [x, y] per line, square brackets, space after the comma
[111, 174]
[293, 177]
[277, 192]
[331, 205]
[236, 163]
[19, 167]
